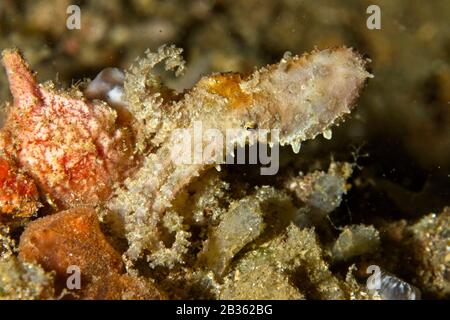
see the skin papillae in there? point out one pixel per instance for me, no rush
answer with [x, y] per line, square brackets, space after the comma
[301, 96]
[19, 196]
[73, 148]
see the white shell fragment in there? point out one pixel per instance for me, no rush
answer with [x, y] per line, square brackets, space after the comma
[393, 288]
[108, 86]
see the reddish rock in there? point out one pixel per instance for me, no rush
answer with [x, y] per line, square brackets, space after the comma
[73, 238]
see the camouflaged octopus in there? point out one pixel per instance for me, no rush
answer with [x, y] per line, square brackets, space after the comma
[83, 151]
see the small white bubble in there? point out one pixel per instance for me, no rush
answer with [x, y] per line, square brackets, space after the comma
[296, 146]
[327, 134]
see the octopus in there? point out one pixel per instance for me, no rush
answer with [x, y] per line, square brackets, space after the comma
[301, 97]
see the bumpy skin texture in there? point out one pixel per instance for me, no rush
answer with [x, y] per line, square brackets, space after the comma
[71, 147]
[73, 238]
[19, 196]
[301, 96]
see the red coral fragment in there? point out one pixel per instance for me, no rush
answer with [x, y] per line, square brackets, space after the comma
[73, 148]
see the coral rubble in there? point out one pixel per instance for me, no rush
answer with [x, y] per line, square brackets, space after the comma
[71, 147]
